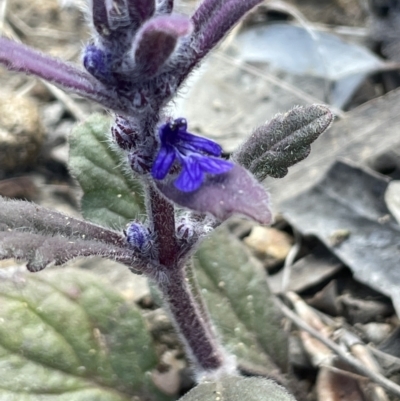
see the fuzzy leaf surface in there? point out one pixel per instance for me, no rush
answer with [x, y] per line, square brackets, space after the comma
[112, 197]
[283, 141]
[42, 237]
[240, 303]
[41, 251]
[67, 336]
[26, 216]
[234, 388]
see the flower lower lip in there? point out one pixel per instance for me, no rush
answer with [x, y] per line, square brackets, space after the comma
[196, 155]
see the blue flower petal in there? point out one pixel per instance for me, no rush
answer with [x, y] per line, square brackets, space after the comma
[163, 162]
[197, 156]
[196, 143]
[191, 176]
[212, 165]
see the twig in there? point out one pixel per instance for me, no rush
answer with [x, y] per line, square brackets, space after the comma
[61, 96]
[287, 268]
[375, 377]
[384, 355]
[346, 373]
[341, 30]
[37, 32]
[66, 100]
[3, 12]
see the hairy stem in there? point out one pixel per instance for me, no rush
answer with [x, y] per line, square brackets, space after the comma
[190, 323]
[162, 215]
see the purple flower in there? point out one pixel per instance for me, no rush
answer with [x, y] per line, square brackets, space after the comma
[196, 155]
[139, 238]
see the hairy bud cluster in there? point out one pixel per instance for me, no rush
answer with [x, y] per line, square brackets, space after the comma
[124, 133]
[140, 238]
[135, 47]
[128, 136]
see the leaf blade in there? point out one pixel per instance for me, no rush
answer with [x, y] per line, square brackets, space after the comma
[67, 336]
[230, 279]
[238, 389]
[112, 196]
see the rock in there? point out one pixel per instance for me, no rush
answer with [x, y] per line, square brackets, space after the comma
[21, 132]
[269, 244]
[392, 199]
[375, 332]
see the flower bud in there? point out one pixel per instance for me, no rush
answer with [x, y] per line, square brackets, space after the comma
[156, 41]
[124, 133]
[139, 237]
[98, 63]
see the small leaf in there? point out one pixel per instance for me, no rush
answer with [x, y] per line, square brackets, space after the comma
[42, 250]
[112, 197]
[26, 216]
[18, 57]
[42, 237]
[239, 389]
[141, 10]
[240, 302]
[283, 141]
[223, 195]
[66, 336]
[156, 41]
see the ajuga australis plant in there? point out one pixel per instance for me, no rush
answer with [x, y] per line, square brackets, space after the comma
[139, 56]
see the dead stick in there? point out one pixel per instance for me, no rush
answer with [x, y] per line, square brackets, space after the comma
[374, 376]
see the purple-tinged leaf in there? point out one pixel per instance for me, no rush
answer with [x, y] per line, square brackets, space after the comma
[234, 192]
[43, 237]
[21, 58]
[41, 250]
[283, 141]
[209, 31]
[22, 215]
[156, 41]
[100, 17]
[165, 7]
[141, 10]
[118, 14]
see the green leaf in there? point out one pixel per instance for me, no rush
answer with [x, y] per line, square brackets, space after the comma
[283, 141]
[66, 336]
[112, 197]
[238, 389]
[240, 303]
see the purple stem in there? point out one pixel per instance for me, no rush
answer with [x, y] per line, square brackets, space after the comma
[223, 19]
[194, 329]
[189, 320]
[161, 212]
[21, 58]
[204, 12]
